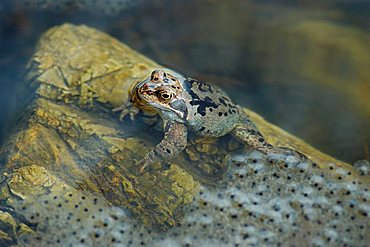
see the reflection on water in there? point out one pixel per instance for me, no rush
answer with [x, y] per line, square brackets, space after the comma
[303, 66]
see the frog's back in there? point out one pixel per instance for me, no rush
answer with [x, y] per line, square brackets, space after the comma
[211, 112]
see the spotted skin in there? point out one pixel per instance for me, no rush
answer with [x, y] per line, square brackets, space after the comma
[184, 105]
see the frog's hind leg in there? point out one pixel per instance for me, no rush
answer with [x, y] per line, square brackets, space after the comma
[246, 132]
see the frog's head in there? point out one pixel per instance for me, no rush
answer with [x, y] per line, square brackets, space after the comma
[163, 91]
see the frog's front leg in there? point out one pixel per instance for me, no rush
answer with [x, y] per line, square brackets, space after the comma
[127, 108]
[173, 142]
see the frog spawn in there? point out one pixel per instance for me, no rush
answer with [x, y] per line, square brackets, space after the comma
[263, 200]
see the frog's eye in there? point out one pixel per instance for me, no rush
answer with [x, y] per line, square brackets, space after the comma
[165, 96]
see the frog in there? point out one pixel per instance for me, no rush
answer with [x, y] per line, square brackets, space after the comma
[188, 105]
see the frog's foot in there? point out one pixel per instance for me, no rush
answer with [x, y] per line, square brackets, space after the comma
[127, 109]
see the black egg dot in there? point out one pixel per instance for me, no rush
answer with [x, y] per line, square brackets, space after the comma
[220, 114]
[234, 216]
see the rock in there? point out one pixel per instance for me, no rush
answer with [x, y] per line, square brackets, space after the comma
[72, 137]
[69, 168]
[8, 224]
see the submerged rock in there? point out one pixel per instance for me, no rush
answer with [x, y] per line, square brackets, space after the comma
[69, 171]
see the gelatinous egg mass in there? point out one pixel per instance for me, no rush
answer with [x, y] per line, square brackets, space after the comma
[263, 201]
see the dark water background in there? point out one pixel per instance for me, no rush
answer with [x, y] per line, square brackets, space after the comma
[251, 48]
